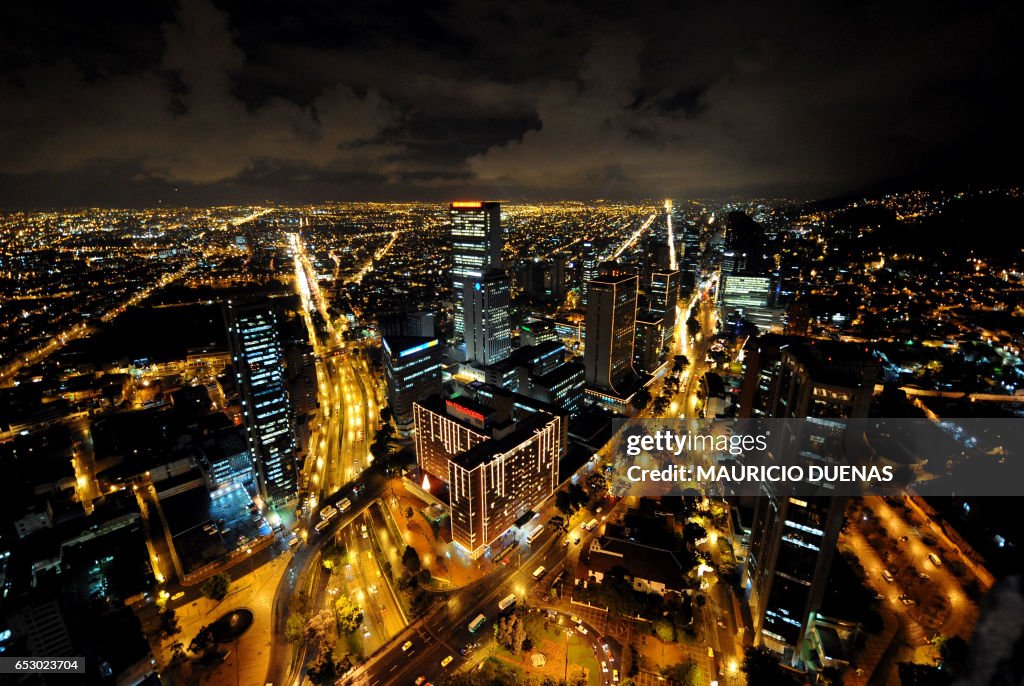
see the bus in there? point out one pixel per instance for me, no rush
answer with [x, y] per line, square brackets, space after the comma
[344, 504]
[477, 622]
[328, 513]
[591, 525]
[534, 534]
[539, 572]
[507, 602]
[322, 525]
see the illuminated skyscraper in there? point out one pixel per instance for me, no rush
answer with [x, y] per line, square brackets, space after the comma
[412, 370]
[266, 407]
[588, 271]
[499, 462]
[664, 295]
[487, 303]
[476, 241]
[793, 539]
[610, 325]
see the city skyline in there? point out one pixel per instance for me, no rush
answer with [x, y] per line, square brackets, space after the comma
[381, 343]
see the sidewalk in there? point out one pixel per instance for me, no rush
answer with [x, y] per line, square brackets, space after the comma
[249, 658]
[446, 563]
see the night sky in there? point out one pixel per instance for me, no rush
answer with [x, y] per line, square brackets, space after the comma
[221, 102]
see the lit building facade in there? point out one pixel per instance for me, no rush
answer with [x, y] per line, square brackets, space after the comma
[488, 318]
[496, 469]
[476, 241]
[266, 408]
[610, 324]
[664, 296]
[412, 371]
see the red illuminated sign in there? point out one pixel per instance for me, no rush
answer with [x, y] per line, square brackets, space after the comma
[464, 410]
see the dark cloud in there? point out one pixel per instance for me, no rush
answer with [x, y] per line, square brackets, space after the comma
[318, 100]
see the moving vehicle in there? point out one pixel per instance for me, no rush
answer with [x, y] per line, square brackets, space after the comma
[319, 528]
[477, 622]
[539, 572]
[344, 504]
[934, 559]
[534, 534]
[591, 525]
[447, 661]
[406, 646]
[328, 513]
[507, 602]
[887, 575]
[364, 532]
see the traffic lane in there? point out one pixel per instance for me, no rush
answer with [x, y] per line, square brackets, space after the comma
[378, 591]
[447, 631]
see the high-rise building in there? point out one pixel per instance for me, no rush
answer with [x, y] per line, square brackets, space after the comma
[563, 387]
[792, 376]
[412, 370]
[266, 407]
[792, 542]
[487, 302]
[664, 296]
[793, 539]
[534, 331]
[497, 467]
[610, 323]
[589, 262]
[749, 296]
[689, 257]
[649, 341]
[476, 241]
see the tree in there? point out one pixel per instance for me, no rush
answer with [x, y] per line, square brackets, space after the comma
[762, 668]
[216, 587]
[563, 502]
[692, 325]
[294, 627]
[319, 629]
[386, 414]
[686, 673]
[953, 652]
[640, 399]
[411, 560]
[664, 630]
[679, 362]
[597, 483]
[349, 615]
[511, 632]
[333, 556]
[693, 532]
[169, 623]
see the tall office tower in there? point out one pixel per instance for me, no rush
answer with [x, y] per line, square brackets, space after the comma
[412, 370]
[657, 253]
[588, 268]
[793, 539]
[266, 407]
[689, 258]
[744, 245]
[664, 296]
[476, 245]
[610, 323]
[749, 296]
[792, 542]
[497, 467]
[648, 345]
[487, 303]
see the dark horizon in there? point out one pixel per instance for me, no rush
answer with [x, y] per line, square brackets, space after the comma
[200, 103]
